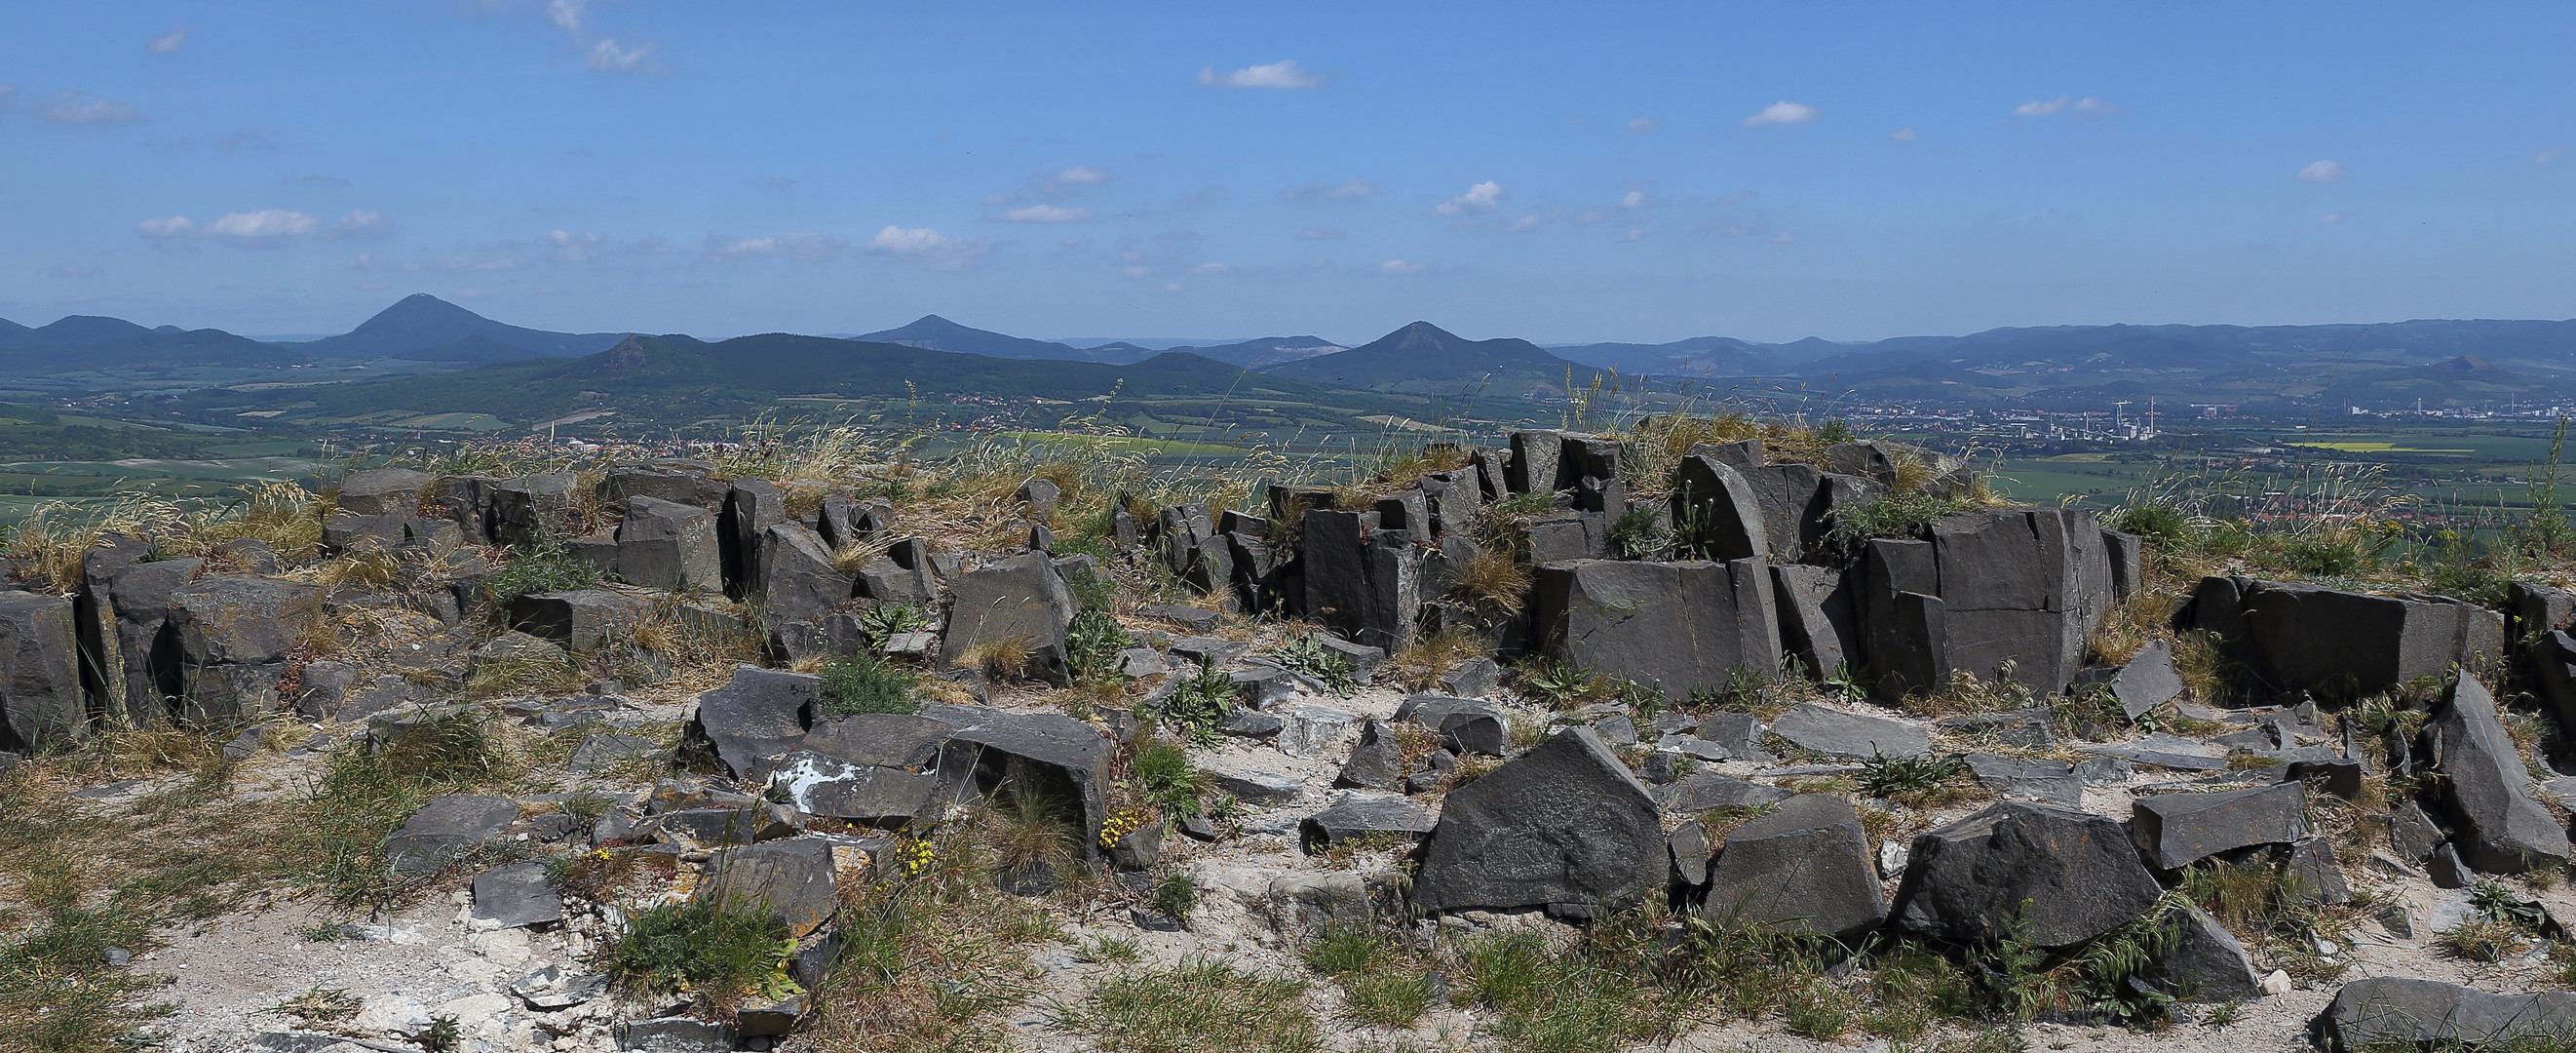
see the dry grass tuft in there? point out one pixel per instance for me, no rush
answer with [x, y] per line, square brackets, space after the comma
[1420, 667]
[1006, 657]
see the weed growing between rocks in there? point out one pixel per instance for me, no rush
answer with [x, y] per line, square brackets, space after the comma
[865, 682]
[716, 951]
[1308, 654]
[549, 566]
[1421, 665]
[1196, 705]
[1197, 1005]
[931, 957]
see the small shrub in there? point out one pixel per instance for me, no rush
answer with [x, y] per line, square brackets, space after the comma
[867, 683]
[548, 567]
[1419, 667]
[1897, 515]
[1198, 1005]
[718, 952]
[1309, 654]
[1002, 657]
[1639, 533]
[1166, 777]
[1200, 703]
[1556, 683]
[882, 622]
[1916, 781]
[1176, 895]
[1494, 579]
[443, 1034]
[1091, 647]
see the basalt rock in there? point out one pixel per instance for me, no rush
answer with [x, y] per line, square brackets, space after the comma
[1563, 827]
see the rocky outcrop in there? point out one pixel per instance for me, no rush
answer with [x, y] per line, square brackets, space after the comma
[1679, 627]
[1564, 827]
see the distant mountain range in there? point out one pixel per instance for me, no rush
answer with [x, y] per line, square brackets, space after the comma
[2441, 362]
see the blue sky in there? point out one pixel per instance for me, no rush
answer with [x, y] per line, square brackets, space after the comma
[1550, 171]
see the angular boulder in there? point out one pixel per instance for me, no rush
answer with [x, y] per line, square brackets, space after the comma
[40, 689]
[517, 896]
[447, 829]
[1835, 733]
[1020, 601]
[2503, 827]
[1817, 623]
[1805, 866]
[1680, 627]
[794, 577]
[667, 545]
[799, 881]
[2395, 1012]
[2205, 962]
[1358, 816]
[1048, 754]
[1564, 827]
[755, 719]
[2057, 875]
[1717, 512]
[582, 620]
[2178, 829]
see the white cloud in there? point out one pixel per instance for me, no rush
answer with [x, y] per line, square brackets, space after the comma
[67, 108]
[2331, 217]
[573, 248]
[169, 42]
[1322, 234]
[364, 223]
[1642, 124]
[1400, 267]
[1209, 268]
[1482, 197]
[1528, 222]
[7, 92]
[2320, 172]
[1136, 271]
[1634, 234]
[1782, 112]
[800, 245]
[566, 14]
[1046, 214]
[1080, 175]
[2546, 156]
[170, 227]
[1347, 190]
[1281, 74]
[471, 264]
[266, 228]
[607, 57]
[944, 251]
[1632, 199]
[2062, 104]
[1903, 135]
[1783, 238]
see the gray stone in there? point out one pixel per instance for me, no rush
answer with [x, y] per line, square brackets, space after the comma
[699, 828]
[1258, 787]
[1357, 816]
[2104, 771]
[1688, 844]
[2447, 870]
[2205, 963]
[1804, 866]
[242, 621]
[1197, 620]
[1717, 512]
[40, 690]
[388, 691]
[1040, 497]
[447, 829]
[751, 507]
[674, 1034]
[523, 510]
[552, 989]
[1681, 627]
[756, 718]
[2392, 1012]
[1047, 753]
[152, 672]
[1702, 790]
[1616, 730]
[677, 481]
[1818, 625]
[383, 491]
[583, 620]
[2045, 781]
[1312, 730]
[798, 880]
[2167, 751]
[1020, 600]
[2178, 829]
[1197, 650]
[1835, 733]
[1534, 465]
[667, 545]
[2412, 834]
[1474, 678]
[1740, 733]
[793, 575]
[2302, 637]
[2148, 680]
[2503, 829]
[2314, 875]
[1249, 724]
[2057, 875]
[1376, 763]
[2128, 563]
[1564, 827]
[1465, 725]
[517, 896]
[2537, 609]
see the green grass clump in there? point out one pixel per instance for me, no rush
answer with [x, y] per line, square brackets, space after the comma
[866, 683]
[335, 845]
[1307, 653]
[718, 952]
[548, 567]
[1197, 705]
[1901, 515]
[1639, 533]
[1166, 776]
[1198, 1005]
[1915, 781]
[1091, 647]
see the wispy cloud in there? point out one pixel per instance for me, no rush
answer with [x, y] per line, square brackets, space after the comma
[1643, 124]
[1346, 190]
[1401, 267]
[1482, 197]
[1322, 234]
[1045, 214]
[1782, 112]
[1082, 175]
[804, 245]
[607, 57]
[1632, 199]
[168, 42]
[2320, 172]
[2066, 103]
[2331, 217]
[2551, 154]
[1528, 222]
[1903, 135]
[269, 228]
[67, 108]
[943, 251]
[566, 14]
[1283, 74]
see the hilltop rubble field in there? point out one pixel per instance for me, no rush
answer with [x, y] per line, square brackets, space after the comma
[1710, 734]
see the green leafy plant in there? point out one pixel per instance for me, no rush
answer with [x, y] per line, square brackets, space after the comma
[1198, 704]
[1092, 645]
[1311, 655]
[881, 623]
[1166, 776]
[719, 951]
[1556, 683]
[442, 1034]
[1639, 533]
[1176, 895]
[866, 683]
[1908, 779]
[548, 566]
